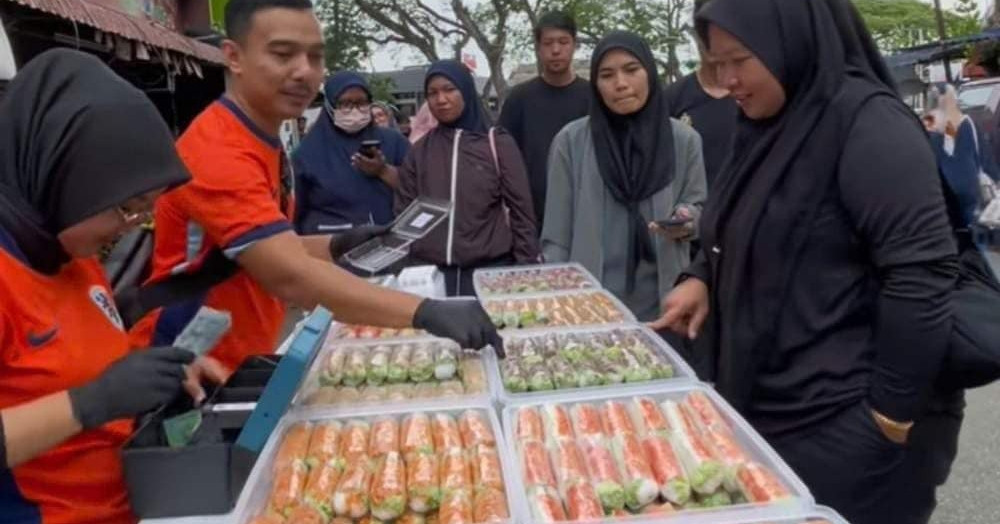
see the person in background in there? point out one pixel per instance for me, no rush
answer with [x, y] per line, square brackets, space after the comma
[614, 172]
[699, 100]
[828, 259]
[538, 109]
[85, 154]
[422, 123]
[338, 184]
[384, 115]
[239, 203]
[956, 143]
[479, 170]
[930, 121]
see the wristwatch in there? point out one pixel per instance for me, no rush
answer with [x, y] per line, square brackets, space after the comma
[895, 431]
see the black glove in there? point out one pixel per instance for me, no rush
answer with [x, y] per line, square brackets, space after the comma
[343, 242]
[463, 321]
[135, 384]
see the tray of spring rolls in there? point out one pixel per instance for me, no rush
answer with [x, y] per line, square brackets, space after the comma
[413, 465]
[656, 454]
[580, 308]
[363, 373]
[518, 280]
[359, 332]
[580, 360]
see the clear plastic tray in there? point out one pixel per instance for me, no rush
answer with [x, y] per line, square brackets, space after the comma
[307, 399]
[819, 515]
[682, 371]
[752, 443]
[482, 275]
[419, 218]
[356, 333]
[626, 314]
[253, 499]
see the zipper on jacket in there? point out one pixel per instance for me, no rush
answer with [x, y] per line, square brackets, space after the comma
[454, 203]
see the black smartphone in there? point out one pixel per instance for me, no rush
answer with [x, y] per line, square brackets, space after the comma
[370, 148]
[673, 222]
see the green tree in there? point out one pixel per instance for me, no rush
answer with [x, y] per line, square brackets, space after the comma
[345, 33]
[898, 24]
[382, 88]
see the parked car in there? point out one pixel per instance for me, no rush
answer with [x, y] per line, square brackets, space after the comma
[981, 101]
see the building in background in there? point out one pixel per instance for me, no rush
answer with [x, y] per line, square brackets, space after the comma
[407, 88]
[525, 72]
[161, 46]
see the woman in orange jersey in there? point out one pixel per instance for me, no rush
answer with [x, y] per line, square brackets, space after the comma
[83, 154]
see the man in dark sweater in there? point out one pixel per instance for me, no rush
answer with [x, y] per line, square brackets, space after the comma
[538, 109]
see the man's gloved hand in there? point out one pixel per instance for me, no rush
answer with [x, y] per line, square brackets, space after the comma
[343, 242]
[463, 321]
[135, 384]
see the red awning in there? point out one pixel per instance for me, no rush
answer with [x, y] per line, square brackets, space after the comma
[110, 20]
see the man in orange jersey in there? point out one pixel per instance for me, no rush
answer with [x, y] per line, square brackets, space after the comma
[240, 202]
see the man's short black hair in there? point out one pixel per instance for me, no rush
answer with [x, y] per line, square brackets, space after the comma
[555, 20]
[239, 13]
[698, 6]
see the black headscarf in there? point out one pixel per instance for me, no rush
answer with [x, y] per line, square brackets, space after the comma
[75, 140]
[781, 168]
[635, 153]
[473, 117]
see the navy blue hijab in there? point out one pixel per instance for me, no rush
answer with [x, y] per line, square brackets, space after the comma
[474, 115]
[329, 191]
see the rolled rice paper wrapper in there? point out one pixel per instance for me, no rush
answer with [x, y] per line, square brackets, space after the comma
[446, 362]
[455, 472]
[704, 470]
[558, 425]
[354, 442]
[587, 422]
[529, 425]
[321, 483]
[333, 371]
[399, 364]
[423, 482]
[306, 514]
[456, 507]
[535, 465]
[388, 490]
[640, 484]
[486, 468]
[475, 429]
[604, 472]
[758, 484]
[352, 496]
[617, 419]
[568, 463]
[417, 436]
[649, 418]
[294, 446]
[546, 507]
[324, 444]
[356, 367]
[582, 503]
[288, 486]
[489, 506]
[667, 469]
[446, 433]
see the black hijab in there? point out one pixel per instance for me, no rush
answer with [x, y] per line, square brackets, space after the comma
[782, 168]
[75, 140]
[635, 153]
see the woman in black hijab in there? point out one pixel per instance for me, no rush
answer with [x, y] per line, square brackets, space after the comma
[84, 156]
[828, 258]
[616, 171]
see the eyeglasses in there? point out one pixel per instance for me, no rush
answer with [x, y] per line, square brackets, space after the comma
[343, 106]
[133, 217]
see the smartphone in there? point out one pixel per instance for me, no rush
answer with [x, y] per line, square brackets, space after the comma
[674, 222]
[370, 148]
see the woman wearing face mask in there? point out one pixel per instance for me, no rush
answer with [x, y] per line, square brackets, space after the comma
[616, 171]
[480, 171]
[338, 184]
[828, 260]
[85, 154]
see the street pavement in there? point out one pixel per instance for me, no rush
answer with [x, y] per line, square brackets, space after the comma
[972, 494]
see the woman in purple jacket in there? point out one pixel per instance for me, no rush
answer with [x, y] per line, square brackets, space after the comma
[480, 170]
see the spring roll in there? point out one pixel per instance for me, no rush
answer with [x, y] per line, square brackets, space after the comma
[324, 444]
[529, 425]
[604, 473]
[704, 470]
[322, 396]
[399, 364]
[446, 361]
[558, 425]
[374, 394]
[411, 518]
[450, 389]
[582, 503]
[354, 442]
[486, 468]
[400, 392]
[659, 509]
[333, 370]
[705, 410]
[667, 469]
[640, 484]
[378, 365]
[417, 437]
[515, 380]
[320, 485]
[648, 417]
[511, 314]
[388, 491]
[568, 464]
[587, 421]
[719, 499]
[546, 507]
[351, 498]
[540, 378]
[289, 484]
[422, 482]
[564, 376]
[473, 374]
[455, 471]
[617, 419]
[294, 447]
[446, 433]
[306, 514]
[475, 429]
[422, 363]
[345, 395]
[758, 484]
[489, 506]
[384, 437]
[456, 507]
[356, 366]
[535, 465]
[425, 390]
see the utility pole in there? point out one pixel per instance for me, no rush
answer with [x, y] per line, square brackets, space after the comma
[942, 36]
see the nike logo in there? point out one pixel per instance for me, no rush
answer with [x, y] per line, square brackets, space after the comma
[37, 340]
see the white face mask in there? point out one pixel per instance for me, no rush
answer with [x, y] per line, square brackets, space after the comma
[352, 120]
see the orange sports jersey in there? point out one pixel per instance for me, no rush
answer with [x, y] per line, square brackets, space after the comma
[59, 332]
[240, 193]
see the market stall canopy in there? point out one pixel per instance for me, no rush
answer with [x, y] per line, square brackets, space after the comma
[112, 25]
